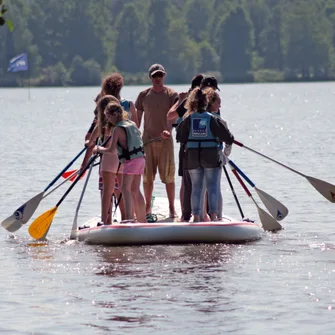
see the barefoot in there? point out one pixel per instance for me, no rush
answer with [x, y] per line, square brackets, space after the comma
[173, 213]
[207, 218]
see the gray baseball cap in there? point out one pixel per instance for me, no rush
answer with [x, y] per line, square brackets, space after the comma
[156, 68]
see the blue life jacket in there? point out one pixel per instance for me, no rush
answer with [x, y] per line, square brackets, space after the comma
[200, 135]
[126, 106]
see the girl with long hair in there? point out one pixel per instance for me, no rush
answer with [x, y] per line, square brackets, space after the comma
[126, 139]
[202, 133]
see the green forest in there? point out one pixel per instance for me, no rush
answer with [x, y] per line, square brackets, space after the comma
[78, 42]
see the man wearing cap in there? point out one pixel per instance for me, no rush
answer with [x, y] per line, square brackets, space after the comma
[153, 104]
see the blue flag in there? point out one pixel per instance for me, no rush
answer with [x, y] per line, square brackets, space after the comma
[18, 63]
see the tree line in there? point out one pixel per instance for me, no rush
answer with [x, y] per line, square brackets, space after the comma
[77, 42]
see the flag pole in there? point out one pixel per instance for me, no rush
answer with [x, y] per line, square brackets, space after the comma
[28, 80]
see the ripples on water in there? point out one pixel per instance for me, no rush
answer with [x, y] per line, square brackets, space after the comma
[282, 283]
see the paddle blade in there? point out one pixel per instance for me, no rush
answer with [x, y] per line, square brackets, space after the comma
[67, 174]
[11, 224]
[323, 187]
[22, 214]
[40, 227]
[275, 207]
[268, 222]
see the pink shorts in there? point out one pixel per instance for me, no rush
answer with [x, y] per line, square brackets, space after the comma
[134, 166]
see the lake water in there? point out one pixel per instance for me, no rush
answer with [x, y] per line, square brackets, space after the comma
[283, 283]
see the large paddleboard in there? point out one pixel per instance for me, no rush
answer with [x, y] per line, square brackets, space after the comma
[167, 230]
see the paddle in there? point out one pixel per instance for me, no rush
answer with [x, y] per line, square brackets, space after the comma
[324, 188]
[268, 222]
[25, 211]
[233, 191]
[275, 207]
[41, 225]
[75, 220]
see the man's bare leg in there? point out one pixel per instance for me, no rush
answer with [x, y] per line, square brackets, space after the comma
[148, 188]
[170, 190]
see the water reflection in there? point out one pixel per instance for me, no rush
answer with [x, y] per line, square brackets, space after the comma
[138, 281]
[124, 261]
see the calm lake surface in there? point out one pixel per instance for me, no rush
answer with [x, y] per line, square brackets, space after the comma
[283, 284]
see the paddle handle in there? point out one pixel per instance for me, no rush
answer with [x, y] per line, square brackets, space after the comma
[233, 191]
[231, 163]
[66, 167]
[267, 157]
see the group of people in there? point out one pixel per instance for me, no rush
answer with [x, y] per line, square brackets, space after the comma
[127, 154]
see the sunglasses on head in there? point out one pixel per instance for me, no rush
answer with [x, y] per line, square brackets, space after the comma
[158, 75]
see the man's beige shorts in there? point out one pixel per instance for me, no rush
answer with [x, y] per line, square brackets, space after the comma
[159, 154]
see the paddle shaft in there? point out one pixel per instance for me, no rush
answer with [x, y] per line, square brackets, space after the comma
[74, 225]
[245, 188]
[231, 163]
[242, 184]
[84, 188]
[75, 172]
[64, 181]
[267, 157]
[92, 159]
[66, 167]
[233, 191]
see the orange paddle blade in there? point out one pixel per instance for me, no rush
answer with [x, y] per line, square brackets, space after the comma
[67, 174]
[40, 227]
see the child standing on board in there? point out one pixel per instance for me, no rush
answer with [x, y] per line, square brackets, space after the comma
[109, 166]
[214, 104]
[202, 132]
[126, 138]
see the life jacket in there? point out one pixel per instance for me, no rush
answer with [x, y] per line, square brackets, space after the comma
[134, 142]
[126, 106]
[200, 135]
[216, 115]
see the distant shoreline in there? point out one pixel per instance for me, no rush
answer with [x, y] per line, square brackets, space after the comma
[180, 84]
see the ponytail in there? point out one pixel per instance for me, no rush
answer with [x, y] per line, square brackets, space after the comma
[196, 102]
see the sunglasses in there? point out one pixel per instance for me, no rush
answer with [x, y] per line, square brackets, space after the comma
[158, 75]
